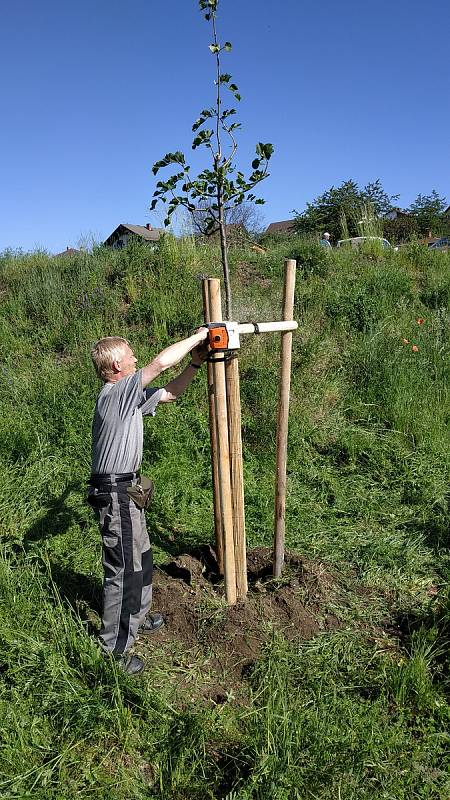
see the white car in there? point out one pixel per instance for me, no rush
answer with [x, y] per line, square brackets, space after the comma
[442, 244]
[357, 241]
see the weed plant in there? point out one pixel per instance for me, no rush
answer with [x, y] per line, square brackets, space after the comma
[353, 713]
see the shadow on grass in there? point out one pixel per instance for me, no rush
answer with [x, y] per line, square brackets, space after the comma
[58, 518]
[84, 592]
[169, 539]
[77, 589]
[436, 532]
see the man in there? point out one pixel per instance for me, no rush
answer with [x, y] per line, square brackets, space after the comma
[117, 443]
[325, 240]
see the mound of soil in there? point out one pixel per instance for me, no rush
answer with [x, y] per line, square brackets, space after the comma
[202, 629]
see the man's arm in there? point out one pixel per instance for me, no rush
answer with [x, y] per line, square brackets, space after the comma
[176, 387]
[171, 356]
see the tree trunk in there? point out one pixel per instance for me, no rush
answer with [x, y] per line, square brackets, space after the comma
[224, 251]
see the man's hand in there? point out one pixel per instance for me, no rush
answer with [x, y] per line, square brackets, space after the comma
[202, 332]
[199, 353]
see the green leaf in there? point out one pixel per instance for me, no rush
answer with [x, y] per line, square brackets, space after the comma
[256, 176]
[224, 78]
[203, 137]
[214, 48]
[255, 163]
[264, 150]
[204, 115]
[209, 6]
[227, 46]
[232, 87]
[169, 158]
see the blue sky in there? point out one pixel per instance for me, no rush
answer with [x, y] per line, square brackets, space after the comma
[94, 93]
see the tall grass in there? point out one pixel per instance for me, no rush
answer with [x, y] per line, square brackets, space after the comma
[349, 714]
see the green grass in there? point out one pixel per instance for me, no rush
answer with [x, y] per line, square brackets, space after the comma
[350, 714]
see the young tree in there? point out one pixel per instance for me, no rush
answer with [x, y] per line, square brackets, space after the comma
[220, 187]
[246, 215]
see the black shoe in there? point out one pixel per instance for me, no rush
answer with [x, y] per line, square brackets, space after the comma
[152, 623]
[132, 665]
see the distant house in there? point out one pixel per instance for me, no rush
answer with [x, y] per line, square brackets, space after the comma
[397, 213]
[69, 251]
[120, 237]
[286, 226]
[446, 213]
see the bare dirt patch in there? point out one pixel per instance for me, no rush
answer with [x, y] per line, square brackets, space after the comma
[214, 645]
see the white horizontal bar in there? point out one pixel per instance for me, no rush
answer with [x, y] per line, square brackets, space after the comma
[267, 327]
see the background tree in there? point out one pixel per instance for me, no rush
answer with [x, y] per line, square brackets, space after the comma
[428, 211]
[221, 187]
[400, 230]
[344, 202]
[374, 194]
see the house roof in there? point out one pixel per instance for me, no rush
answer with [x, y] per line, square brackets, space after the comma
[149, 234]
[280, 227]
[447, 211]
[400, 212]
[69, 251]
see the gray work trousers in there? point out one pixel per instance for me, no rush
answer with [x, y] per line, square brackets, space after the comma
[127, 565]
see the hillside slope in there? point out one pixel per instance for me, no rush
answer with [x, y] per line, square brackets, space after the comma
[367, 504]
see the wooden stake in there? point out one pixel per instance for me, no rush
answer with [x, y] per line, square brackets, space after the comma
[237, 478]
[283, 418]
[220, 402]
[213, 440]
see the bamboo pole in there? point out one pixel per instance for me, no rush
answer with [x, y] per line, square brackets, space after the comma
[220, 402]
[236, 473]
[213, 440]
[283, 418]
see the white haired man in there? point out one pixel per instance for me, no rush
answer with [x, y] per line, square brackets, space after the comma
[325, 240]
[117, 444]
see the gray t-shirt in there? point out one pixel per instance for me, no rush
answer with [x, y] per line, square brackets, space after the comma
[117, 427]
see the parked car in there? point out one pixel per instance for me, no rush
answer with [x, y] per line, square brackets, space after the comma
[357, 241]
[441, 244]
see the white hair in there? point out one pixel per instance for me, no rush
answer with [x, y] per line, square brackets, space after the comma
[105, 352]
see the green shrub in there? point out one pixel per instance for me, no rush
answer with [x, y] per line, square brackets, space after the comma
[312, 259]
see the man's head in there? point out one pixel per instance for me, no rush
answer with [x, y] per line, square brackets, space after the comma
[113, 358]
[326, 236]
